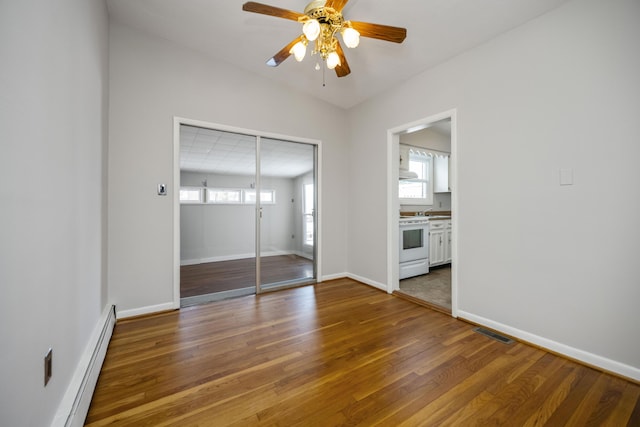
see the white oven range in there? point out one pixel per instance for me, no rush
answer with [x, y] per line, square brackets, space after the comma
[414, 246]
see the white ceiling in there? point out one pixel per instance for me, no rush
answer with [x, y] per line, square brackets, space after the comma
[214, 151]
[436, 31]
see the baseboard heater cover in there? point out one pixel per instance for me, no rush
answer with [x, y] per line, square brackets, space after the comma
[75, 404]
[493, 335]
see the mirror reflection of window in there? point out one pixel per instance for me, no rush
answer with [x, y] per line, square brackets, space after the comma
[308, 214]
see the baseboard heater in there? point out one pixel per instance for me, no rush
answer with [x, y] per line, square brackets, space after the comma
[75, 404]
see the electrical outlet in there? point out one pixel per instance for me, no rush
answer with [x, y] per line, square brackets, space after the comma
[48, 366]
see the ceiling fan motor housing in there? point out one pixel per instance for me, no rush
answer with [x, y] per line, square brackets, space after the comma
[324, 15]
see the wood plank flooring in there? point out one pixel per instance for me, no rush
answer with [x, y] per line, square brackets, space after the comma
[211, 277]
[340, 353]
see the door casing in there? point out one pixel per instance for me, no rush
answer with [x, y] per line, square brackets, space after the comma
[393, 142]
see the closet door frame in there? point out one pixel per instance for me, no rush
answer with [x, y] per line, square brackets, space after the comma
[175, 193]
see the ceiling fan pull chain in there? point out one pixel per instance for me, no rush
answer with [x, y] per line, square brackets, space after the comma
[323, 81]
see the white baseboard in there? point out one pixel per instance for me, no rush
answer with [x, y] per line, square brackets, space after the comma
[146, 310]
[303, 254]
[75, 403]
[361, 279]
[369, 282]
[333, 276]
[231, 257]
[585, 357]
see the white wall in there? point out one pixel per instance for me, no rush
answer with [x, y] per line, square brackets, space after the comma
[561, 91]
[53, 115]
[151, 81]
[221, 232]
[428, 138]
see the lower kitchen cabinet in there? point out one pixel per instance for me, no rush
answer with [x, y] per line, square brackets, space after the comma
[439, 242]
[447, 242]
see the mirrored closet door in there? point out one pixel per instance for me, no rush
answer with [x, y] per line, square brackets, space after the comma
[247, 214]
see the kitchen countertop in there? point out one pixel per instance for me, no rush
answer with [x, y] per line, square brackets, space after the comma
[441, 215]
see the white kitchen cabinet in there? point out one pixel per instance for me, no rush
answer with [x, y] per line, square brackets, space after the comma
[441, 174]
[404, 158]
[447, 241]
[436, 242]
[439, 242]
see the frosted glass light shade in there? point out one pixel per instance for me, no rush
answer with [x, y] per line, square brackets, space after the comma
[333, 60]
[351, 37]
[311, 29]
[299, 50]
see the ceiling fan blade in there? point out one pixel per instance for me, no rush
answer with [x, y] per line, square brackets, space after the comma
[265, 9]
[342, 69]
[338, 5]
[381, 32]
[283, 54]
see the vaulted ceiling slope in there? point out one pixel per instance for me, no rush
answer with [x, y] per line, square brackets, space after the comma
[437, 30]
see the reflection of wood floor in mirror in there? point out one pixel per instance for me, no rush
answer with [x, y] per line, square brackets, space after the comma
[212, 277]
[434, 288]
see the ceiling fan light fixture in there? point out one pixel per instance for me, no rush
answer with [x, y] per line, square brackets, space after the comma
[333, 60]
[299, 50]
[351, 37]
[311, 29]
[321, 21]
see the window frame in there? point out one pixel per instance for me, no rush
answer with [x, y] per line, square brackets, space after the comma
[209, 201]
[243, 199]
[427, 159]
[191, 202]
[306, 215]
[263, 191]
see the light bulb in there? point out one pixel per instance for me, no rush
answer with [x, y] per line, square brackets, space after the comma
[351, 37]
[299, 50]
[311, 29]
[333, 60]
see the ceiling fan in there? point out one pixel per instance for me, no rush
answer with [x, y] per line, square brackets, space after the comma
[321, 21]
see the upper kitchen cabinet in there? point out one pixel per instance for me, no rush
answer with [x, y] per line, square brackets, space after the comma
[404, 158]
[441, 174]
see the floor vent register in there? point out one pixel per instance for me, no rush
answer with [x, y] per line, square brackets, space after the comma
[493, 335]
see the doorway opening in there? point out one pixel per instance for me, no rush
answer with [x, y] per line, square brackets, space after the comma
[422, 212]
[246, 212]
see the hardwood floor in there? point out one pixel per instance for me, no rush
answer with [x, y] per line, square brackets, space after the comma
[207, 278]
[340, 353]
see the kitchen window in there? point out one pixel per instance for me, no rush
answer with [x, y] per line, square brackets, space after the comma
[419, 190]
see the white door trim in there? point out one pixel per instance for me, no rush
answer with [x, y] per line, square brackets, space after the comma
[393, 140]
